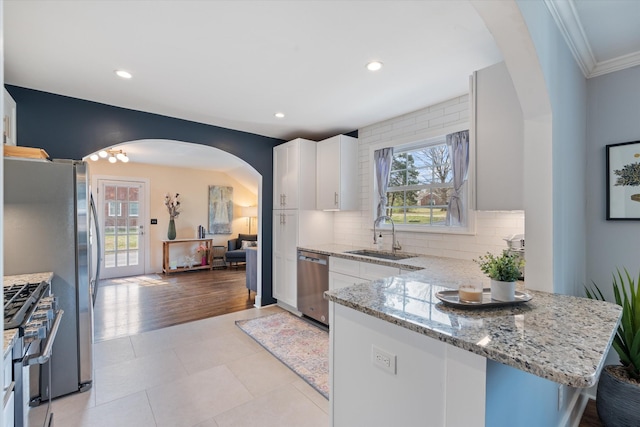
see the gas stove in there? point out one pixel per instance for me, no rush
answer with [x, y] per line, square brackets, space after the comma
[33, 312]
[20, 302]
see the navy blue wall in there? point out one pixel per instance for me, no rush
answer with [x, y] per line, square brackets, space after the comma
[70, 128]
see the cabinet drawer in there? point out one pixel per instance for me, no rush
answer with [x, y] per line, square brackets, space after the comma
[344, 266]
[375, 271]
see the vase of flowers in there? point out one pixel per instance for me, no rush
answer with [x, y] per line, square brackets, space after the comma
[202, 253]
[173, 206]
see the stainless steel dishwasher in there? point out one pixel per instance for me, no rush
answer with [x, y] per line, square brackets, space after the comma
[313, 281]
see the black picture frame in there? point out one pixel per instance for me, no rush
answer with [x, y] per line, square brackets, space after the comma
[623, 181]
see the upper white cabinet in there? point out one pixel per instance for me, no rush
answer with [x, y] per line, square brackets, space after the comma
[338, 173]
[499, 136]
[9, 131]
[294, 175]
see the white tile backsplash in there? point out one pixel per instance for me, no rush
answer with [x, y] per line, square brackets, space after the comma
[356, 227]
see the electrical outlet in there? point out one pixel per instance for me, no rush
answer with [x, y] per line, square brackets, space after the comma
[384, 360]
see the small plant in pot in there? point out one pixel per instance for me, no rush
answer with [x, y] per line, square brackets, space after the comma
[618, 396]
[503, 270]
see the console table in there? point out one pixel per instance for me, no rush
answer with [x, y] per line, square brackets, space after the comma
[166, 244]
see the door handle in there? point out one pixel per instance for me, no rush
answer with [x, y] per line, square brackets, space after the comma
[335, 198]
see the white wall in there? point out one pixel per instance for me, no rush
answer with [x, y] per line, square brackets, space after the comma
[356, 227]
[613, 104]
[567, 90]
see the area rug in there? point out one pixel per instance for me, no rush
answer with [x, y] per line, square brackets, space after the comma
[303, 347]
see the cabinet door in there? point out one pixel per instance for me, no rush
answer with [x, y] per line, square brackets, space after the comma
[291, 176]
[9, 130]
[499, 135]
[285, 237]
[337, 176]
[328, 174]
[279, 173]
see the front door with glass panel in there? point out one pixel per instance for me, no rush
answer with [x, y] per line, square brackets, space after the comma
[122, 219]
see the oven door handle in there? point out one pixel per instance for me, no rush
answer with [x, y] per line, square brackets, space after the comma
[45, 355]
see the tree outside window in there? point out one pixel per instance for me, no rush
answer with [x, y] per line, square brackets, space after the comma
[420, 185]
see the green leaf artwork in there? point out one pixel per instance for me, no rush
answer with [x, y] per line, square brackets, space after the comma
[628, 175]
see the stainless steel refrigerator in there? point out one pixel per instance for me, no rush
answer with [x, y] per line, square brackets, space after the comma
[48, 226]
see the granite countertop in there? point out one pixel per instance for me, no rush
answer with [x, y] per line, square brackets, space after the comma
[441, 267]
[558, 337]
[22, 279]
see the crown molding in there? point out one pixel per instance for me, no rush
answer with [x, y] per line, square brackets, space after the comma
[568, 22]
[616, 64]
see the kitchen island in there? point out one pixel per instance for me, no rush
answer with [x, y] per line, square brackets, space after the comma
[399, 356]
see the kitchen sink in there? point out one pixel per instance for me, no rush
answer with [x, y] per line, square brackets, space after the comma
[379, 254]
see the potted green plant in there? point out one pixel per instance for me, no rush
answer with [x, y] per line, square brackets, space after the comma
[618, 396]
[503, 270]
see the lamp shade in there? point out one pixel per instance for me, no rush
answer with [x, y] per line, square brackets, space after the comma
[249, 211]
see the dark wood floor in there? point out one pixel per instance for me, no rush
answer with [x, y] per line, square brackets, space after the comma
[590, 416]
[131, 305]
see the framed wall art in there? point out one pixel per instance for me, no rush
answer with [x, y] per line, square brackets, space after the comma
[220, 209]
[623, 181]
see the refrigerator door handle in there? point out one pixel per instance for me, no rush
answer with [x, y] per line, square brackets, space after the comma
[96, 278]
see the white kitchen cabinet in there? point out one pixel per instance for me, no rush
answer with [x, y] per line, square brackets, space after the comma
[285, 238]
[294, 175]
[9, 130]
[499, 137]
[337, 175]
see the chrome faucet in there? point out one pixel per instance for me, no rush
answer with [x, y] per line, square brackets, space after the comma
[395, 245]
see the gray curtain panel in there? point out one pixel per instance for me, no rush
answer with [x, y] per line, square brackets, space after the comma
[458, 144]
[382, 160]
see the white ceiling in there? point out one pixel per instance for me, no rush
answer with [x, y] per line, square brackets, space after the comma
[235, 63]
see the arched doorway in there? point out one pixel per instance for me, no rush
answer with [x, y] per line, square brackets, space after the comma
[171, 166]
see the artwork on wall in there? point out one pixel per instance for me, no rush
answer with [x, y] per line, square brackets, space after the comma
[623, 181]
[220, 209]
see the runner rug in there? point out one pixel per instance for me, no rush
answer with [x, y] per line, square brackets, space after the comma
[303, 347]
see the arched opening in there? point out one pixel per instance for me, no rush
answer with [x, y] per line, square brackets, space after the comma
[171, 166]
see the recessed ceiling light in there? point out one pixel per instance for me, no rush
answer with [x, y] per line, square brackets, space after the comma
[374, 65]
[279, 115]
[124, 74]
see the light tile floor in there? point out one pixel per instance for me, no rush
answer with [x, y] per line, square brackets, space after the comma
[206, 373]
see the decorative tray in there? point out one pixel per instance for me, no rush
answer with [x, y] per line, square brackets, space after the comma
[451, 298]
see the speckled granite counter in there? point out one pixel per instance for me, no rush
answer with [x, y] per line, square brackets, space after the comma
[448, 270]
[21, 279]
[557, 337]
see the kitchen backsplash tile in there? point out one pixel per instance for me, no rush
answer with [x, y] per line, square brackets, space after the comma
[355, 227]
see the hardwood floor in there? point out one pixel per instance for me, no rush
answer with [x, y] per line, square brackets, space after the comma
[130, 305]
[590, 417]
